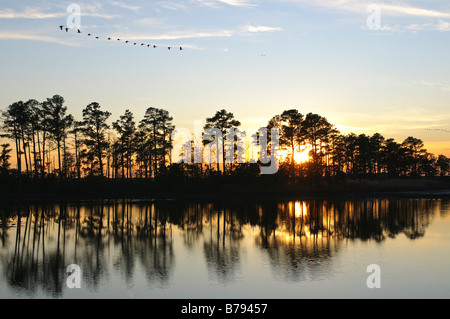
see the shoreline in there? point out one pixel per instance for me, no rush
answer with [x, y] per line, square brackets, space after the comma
[402, 188]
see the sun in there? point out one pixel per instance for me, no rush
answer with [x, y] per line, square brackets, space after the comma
[300, 157]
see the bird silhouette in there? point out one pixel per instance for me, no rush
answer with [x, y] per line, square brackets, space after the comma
[62, 28]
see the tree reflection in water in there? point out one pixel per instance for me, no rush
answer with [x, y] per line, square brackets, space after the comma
[107, 238]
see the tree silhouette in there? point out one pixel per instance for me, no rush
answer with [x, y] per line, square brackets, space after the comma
[49, 142]
[376, 142]
[338, 153]
[166, 129]
[443, 164]
[317, 132]
[94, 131]
[290, 125]
[143, 156]
[414, 153]
[4, 158]
[126, 128]
[77, 131]
[58, 124]
[222, 120]
[157, 126]
[14, 121]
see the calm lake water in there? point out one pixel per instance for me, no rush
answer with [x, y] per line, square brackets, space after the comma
[227, 249]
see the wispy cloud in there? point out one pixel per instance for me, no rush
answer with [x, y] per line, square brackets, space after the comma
[35, 37]
[254, 29]
[408, 119]
[192, 47]
[38, 13]
[239, 3]
[193, 34]
[176, 35]
[435, 17]
[399, 10]
[170, 5]
[440, 25]
[435, 85]
[234, 3]
[360, 6]
[124, 5]
[149, 22]
[443, 26]
[30, 13]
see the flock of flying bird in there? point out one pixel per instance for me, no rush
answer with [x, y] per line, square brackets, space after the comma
[111, 39]
[436, 129]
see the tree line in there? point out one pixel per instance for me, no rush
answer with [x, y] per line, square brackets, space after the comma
[49, 142]
[350, 155]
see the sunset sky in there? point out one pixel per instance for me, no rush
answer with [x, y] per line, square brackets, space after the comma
[253, 58]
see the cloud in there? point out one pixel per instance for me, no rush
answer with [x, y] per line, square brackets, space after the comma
[386, 27]
[176, 35]
[192, 47]
[358, 6]
[398, 10]
[435, 85]
[124, 5]
[254, 29]
[29, 13]
[234, 3]
[149, 22]
[170, 5]
[37, 13]
[35, 37]
[443, 26]
[388, 123]
[440, 25]
[239, 3]
[434, 17]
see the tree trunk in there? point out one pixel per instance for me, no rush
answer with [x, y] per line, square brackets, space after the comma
[43, 154]
[29, 157]
[59, 158]
[99, 149]
[122, 162]
[39, 151]
[155, 145]
[223, 156]
[129, 159]
[77, 158]
[24, 150]
[19, 160]
[64, 157]
[35, 157]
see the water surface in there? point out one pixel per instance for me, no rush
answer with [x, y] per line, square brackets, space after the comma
[227, 249]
